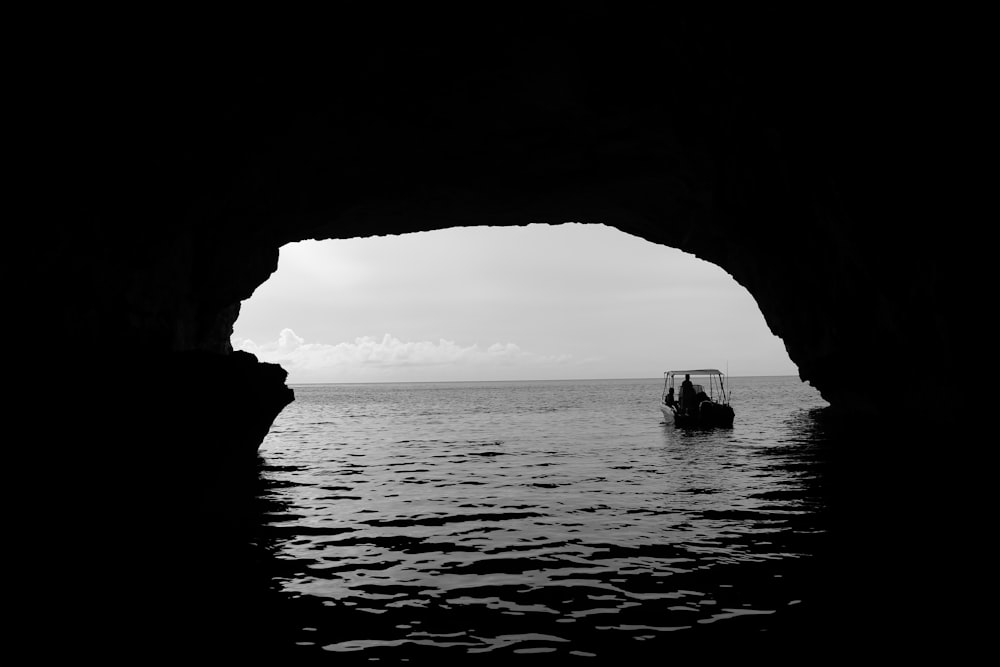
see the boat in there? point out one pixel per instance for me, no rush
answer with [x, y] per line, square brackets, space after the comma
[697, 407]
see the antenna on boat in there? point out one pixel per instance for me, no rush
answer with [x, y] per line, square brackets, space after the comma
[729, 399]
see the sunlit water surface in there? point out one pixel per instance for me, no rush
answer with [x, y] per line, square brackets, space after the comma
[537, 517]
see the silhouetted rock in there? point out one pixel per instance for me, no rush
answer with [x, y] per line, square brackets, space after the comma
[755, 140]
[789, 149]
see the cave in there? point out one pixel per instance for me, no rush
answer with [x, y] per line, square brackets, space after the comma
[785, 148]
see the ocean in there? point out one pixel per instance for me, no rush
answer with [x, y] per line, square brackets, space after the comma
[550, 519]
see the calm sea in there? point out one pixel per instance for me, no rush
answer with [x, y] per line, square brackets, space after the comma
[552, 518]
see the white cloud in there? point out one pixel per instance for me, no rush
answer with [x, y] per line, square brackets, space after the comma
[288, 341]
[369, 358]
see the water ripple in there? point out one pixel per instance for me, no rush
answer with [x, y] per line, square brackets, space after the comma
[535, 518]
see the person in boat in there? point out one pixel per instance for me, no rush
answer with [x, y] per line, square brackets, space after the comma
[669, 399]
[688, 401]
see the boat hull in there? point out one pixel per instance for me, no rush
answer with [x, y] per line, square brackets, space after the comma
[708, 416]
[668, 413]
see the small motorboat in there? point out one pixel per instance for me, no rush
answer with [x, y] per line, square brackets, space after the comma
[694, 406]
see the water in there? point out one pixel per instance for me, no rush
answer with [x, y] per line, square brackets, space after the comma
[538, 518]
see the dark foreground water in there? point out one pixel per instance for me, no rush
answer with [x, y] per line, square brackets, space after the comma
[559, 519]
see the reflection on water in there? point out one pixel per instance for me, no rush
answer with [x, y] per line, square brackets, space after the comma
[564, 520]
[555, 519]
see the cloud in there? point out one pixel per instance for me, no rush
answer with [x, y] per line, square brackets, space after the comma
[288, 341]
[367, 357]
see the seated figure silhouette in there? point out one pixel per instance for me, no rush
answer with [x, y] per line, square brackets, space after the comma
[669, 398]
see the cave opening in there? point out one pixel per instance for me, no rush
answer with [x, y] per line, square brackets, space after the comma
[538, 302]
[473, 419]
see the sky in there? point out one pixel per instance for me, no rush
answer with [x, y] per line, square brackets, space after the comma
[539, 302]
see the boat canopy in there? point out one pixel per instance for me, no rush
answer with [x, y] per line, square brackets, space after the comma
[703, 371]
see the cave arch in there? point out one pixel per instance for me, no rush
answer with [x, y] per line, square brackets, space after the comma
[794, 148]
[801, 305]
[766, 150]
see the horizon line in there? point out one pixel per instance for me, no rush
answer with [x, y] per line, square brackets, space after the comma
[535, 380]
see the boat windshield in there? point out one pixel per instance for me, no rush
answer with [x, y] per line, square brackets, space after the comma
[716, 384]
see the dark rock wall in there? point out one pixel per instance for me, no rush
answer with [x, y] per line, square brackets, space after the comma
[799, 150]
[770, 143]
[780, 146]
